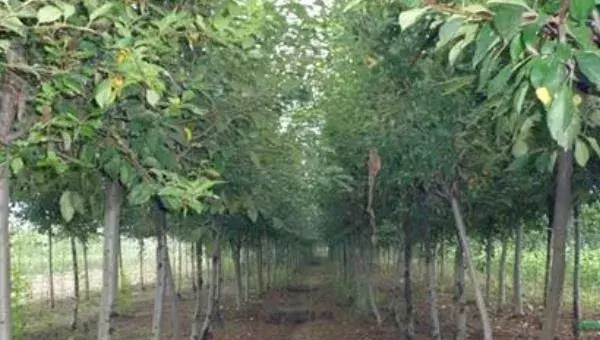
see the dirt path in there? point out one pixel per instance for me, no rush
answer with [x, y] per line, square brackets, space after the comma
[304, 310]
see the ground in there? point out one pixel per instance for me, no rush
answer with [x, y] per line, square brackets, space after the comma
[305, 309]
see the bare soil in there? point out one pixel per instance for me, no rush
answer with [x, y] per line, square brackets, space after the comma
[308, 309]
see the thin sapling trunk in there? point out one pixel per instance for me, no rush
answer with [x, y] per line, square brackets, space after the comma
[562, 207]
[159, 298]
[462, 232]
[460, 296]
[518, 295]
[409, 330]
[212, 301]
[236, 253]
[75, 312]
[114, 200]
[51, 268]
[502, 273]
[141, 260]
[86, 271]
[576, 270]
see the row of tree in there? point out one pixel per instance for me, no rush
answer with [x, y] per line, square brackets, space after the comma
[149, 118]
[478, 112]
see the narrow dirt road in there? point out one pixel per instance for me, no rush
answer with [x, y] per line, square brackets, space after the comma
[304, 310]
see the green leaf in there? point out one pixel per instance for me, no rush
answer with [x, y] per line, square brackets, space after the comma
[66, 206]
[594, 144]
[152, 97]
[252, 214]
[476, 8]
[516, 48]
[67, 140]
[351, 5]
[100, 11]
[520, 148]
[498, 84]
[113, 167]
[519, 3]
[507, 20]
[589, 64]
[530, 37]
[564, 53]
[520, 96]
[518, 163]
[14, 24]
[583, 35]
[254, 159]
[489, 65]
[126, 175]
[410, 17]
[559, 115]
[48, 14]
[486, 40]
[104, 94]
[582, 154]
[77, 202]
[456, 50]
[549, 73]
[141, 194]
[451, 29]
[580, 10]
[67, 9]
[16, 165]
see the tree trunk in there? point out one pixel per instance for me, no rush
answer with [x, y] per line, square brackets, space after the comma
[218, 322]
[442, 261]
[193, 263]
[576, 269]
[259, 267]
[117, 277]
[268, 261]
[86, 271]
[502, 273]
[548, 247]
[489, 249]
[12, 98]
[562, 206]
[159, 298]
[433, 298]
[409, 330]
[212, 302]
[141, 260]
[170, 287]
[236, 253]
[179, 268]
[5, 286]
[430, 254]
[198, 279]
[217, 319]
[371, 265]
[462, 232]
[121, 277]
[51, 268]
[345, 261]
[199, 270]
[114, 200]
[247, 268]
[75, 315]
[461, 296]
[518, 295]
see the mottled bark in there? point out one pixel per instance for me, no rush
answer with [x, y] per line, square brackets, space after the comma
[562, 207]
